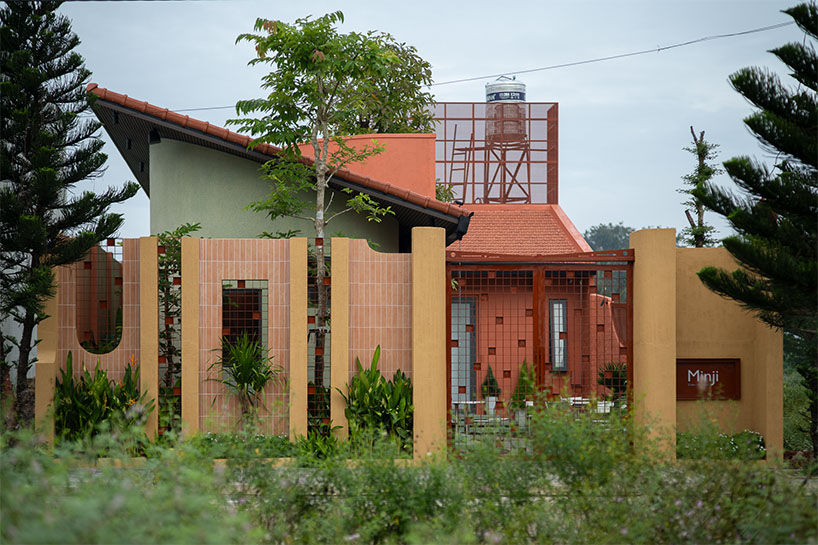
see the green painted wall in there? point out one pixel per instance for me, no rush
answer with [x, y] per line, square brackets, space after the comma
[191, 183]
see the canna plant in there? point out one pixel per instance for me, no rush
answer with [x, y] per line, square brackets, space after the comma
[81, 405]
[377, 405]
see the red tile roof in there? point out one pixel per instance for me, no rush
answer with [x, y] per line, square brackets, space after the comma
[515, 229]
[267, 149]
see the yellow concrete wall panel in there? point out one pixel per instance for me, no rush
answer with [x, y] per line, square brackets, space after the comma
[429, 340]
[149, 328]
[298, 337]
[190, 335]
[654, 332]
[339, 348]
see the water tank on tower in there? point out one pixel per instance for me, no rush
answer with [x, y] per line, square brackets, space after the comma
[505, 111]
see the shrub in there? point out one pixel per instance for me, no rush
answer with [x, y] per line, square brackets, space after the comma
[81, 406]
[526, 386]
[796, 412]
[166, 499]
[231, 445]
[490, 388]
[746, 445]
[376, 405]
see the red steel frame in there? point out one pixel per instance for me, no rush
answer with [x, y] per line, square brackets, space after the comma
[484, 162]
[574, 269]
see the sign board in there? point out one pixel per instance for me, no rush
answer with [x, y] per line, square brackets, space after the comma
[708, 378]
[505, 95]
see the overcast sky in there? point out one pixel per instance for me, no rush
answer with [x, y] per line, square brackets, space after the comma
[623, 123]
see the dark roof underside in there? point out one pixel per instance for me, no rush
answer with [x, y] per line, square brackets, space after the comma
[133, 131]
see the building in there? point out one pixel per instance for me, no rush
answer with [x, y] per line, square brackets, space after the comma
[507, 279]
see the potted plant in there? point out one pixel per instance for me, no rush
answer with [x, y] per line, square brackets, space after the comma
[523, 392]
[491, 391]
[246, 369]
[614, 376]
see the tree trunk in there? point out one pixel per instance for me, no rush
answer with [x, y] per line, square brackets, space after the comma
[321, 154]
[811, 381]
[21, 406]
[6, 388]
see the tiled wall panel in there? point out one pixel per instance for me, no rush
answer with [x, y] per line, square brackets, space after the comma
[380, 308]
[115, 361]
[242, 259]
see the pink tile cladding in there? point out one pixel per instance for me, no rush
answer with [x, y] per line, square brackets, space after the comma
[82, 298]
[264, 265]
[380, 308]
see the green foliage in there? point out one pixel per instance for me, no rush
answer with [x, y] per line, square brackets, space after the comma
[320, 443]
[608, 236]
[46, 149]
[81, 406]
[393, 100]
[170, 306]
[614, 376]
[246, 369]
[796, 412]
[444, 193]
[526, 386]
[746, 445]
[325, 85]
[318, 410]
[776, 240]
[578, 481]
[490, 388]
[577, 448]
[699, 234]
[242, 443]
[354, 83]
[62, 497]
[376, 405]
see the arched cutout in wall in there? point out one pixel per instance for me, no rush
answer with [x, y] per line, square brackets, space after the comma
[99, 298]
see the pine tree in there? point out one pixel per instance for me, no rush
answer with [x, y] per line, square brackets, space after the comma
[699, 234]
[46, 149]
[776, 222]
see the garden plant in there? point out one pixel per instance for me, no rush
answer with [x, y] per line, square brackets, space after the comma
[575, 482]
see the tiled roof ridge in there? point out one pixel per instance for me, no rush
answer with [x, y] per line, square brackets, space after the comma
[267, 149]
[541, 229]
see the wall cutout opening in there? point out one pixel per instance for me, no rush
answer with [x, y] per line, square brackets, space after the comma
[244, 310]
[99, 297]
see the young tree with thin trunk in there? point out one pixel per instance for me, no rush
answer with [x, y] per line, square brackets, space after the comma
[776, 220]
[325, 85]
[699, 234]
[46, 149]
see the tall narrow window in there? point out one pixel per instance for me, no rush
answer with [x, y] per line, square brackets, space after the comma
[558, 333]
[244, 310]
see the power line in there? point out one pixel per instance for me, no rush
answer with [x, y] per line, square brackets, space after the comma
[621, 56]
[658, 49]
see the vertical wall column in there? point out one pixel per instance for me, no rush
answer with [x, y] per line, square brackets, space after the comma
[769, 406]
[339, 350]
[149, 328]
[190, 336]
[45, 372]
[429, 340]
[654, 333]
[298, 337]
